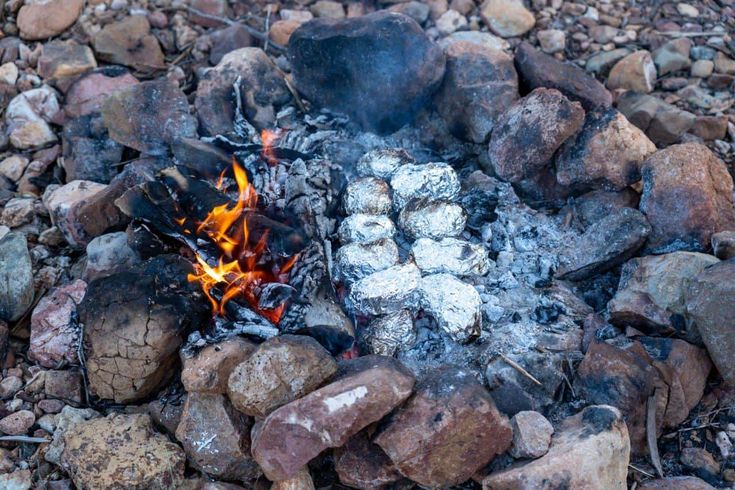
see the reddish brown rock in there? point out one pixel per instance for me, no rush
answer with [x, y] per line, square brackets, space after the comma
[167, 414]
[64, 385]
[367, 389]
[589, 450]
[214, 8]
[606, 154]
[209, 369]
[687, 196]
[676, 483]
[54, 335]
[262, 91]
[651, 292]
[302, 481]
[216, 437]
[685, 369]
[479, 84]
[710, 303]
[60, 202]
[447, 431]
[621, 378]
[87, 93]
[61, 61]
[283, 369]
[17, 423]
[130, 43]
[41, 20]
[634, 72]
[121, 452]
[528, 134]
[281, 30]
[362, 464]
[537, 69]
[228, 39]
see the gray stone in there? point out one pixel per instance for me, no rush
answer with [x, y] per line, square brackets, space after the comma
[16, 277]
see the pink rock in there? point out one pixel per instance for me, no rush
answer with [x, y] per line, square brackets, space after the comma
[87, 94]
[60, 202]
[17, 423]
[40, 20]
[54, 337]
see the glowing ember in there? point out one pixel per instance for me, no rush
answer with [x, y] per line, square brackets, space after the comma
[268, 139]
[243, 266]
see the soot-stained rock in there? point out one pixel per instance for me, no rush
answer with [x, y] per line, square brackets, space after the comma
[596, 205]
[130, 43]
[528, 134]
[281, 370]
[134, 323]
[216, 437]
[624, 379]
[711, 307]
[262, 91]
[588, 450]
[54, 334]
[606, 154]
[537, 69]
[479, 84]
[446, 431]
[723, 244]
[687, 196]
[361, 463]
[208, 370]
[16, 277]
[651, 294]
[89, 152]
[149, 116]
[121, 452]
[380, 68]
[367, 389]
[605, 244]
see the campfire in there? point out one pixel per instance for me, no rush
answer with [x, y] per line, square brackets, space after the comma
[377, 245]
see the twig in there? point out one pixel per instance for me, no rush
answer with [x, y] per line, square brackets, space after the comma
[267, 28]
[651, 433]
[520, 369]
[34, 440]
[641, 471]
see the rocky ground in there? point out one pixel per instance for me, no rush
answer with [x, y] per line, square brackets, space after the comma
[613, 229]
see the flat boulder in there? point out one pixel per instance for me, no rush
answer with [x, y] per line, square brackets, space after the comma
[366, 389]
[710, 303]
[606, 154]
[527, 135]
[536, 69]
[447, 431]
[687, 197]
[121, 452]
[652, 290]
[588, 450]
[480, 83]
[379, 69]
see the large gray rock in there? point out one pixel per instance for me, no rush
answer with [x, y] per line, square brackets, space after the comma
[380, 68]
[480, 83]
[16, 277]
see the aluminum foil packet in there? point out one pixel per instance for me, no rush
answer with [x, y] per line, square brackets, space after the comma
[367, 195]
[455, 305]
[386, 335]
[382, 163]
[357, 260]
[365, 228]
[386, 291]
[432, 181]
[451, 255]
[432, 219]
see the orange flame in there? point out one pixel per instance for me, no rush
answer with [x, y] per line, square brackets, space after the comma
[238, 271]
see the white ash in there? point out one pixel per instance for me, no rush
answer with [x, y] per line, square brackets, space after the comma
[454, 304]
[387, 334]
[450, 255]
[435, 219]
[382, 163]
[367, 195]
[386, 291]
[365, 228]
[357, 260]
[434, 181]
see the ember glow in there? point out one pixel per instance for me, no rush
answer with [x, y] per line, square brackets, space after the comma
[268, 139]
[243, 266]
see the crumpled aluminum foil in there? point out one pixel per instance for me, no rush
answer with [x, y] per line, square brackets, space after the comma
[365, 228]
[367, 195]
[386, 291]
[433, 181]
[357, 260]
[455, 305]
[434, 219]
[385, 335]
[450, 255]
[382, 163]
